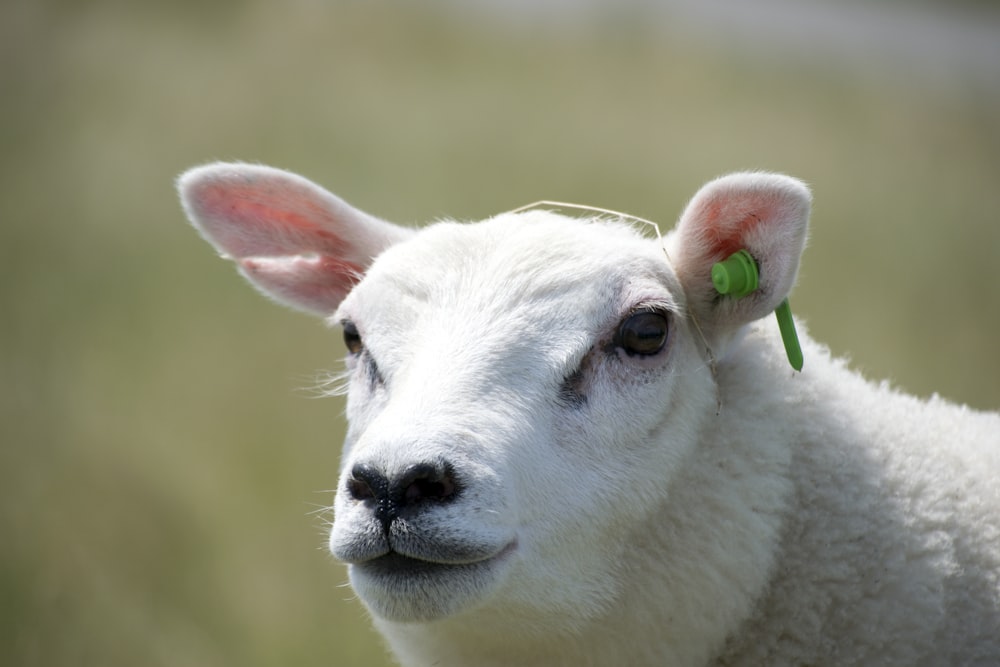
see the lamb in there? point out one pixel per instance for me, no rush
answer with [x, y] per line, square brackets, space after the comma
[565, 447]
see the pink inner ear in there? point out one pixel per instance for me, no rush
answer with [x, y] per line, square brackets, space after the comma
[312, 283]
[728, 225]
[252, 219]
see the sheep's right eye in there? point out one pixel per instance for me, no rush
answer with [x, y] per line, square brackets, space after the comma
[352, 339]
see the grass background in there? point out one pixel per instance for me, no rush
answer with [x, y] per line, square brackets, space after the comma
[160, 466]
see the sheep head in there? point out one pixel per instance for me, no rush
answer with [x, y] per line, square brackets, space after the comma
[522, 391]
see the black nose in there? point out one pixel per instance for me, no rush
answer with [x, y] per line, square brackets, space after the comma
[390, 498]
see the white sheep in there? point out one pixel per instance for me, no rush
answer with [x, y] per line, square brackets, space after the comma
[566, 448]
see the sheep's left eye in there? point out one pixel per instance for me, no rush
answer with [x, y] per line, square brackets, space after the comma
[352, 339]
[643, 333]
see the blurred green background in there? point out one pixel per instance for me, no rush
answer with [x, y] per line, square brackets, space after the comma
[164, 466]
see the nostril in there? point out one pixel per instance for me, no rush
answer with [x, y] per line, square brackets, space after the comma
[366, 483]
[427, 482]
[359, 489]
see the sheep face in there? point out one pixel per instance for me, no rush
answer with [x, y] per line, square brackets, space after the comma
[521, 391]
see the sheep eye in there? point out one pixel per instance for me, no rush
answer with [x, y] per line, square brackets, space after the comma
[352, 339]
[643, 333]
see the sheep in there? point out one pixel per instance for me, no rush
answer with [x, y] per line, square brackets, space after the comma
[566, 447]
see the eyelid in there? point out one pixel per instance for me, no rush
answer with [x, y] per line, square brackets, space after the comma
[651, 306]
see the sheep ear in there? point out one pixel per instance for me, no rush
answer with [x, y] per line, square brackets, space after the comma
[293, 240]
[765, 214]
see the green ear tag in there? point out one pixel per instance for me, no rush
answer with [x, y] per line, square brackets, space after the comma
[738, 276]
[788, 335]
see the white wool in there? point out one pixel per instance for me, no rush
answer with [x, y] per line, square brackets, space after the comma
[518, 489]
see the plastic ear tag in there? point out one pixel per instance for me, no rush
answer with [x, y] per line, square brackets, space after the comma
[738, 276]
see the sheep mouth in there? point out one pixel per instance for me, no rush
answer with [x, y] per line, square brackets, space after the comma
[402, 588]
[396, 564]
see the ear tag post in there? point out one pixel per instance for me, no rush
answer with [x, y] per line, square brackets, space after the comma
[738, 276]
